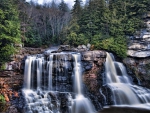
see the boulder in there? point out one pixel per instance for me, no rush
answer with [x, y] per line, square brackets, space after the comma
[137, 46]
[64, 48]
[93, 55]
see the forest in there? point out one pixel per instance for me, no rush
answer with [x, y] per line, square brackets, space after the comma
[105, 24]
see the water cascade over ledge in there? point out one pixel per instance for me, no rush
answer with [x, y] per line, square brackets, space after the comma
[48, 84]
[53, 83]
[124, 92]
[81, 104]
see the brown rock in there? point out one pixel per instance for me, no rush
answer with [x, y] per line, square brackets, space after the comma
[6, 98]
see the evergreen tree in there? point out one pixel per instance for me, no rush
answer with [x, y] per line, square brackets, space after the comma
[9, 29]
[63, 6]
[77, 9]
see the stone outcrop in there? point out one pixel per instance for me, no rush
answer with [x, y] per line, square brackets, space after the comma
[139, 48]
[80, 48]
[139, 45]
[138, 59]
[139, 69]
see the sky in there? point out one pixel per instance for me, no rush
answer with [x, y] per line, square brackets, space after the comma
[69, 2]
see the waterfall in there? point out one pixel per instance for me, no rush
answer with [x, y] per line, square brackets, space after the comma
[28, 72]
[77, 74]
[50, 71]
[39, 71]
[111, 74]
[123, 90]
[81, 104]
[48, 81]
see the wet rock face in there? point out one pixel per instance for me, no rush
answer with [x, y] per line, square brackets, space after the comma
[139, 69]
[93, 62]
[93, 65]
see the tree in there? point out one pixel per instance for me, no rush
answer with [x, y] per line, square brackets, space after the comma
[63, 6]
[9, 29]
[42, 24]
[77, 9]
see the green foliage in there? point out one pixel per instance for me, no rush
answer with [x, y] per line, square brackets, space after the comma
[10, 29]
[117, 44]
[107, 24]
[74, 39]
[2, 99]
[3, 106]
[2, 66]
[33, 39]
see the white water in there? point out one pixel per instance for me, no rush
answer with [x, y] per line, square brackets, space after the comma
[123, 90]
[27, 72]
[50, 71]
[39, 71]
[77, 74]
[81, 104]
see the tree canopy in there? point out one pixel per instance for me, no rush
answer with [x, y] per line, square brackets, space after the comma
[106, 23]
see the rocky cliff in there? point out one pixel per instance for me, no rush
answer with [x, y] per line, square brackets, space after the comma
[138, 60]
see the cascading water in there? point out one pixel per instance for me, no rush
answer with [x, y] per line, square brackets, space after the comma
[123, 90]
[47, 84]
[77, 74]
[27, 74]
[80, 104]
[50, 69]
[40, 96]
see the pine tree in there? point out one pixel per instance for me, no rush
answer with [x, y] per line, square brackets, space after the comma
[63, 6]
[9, 29]
[77, 9]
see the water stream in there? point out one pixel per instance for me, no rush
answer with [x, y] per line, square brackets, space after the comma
[80, 104]
[125, 93]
